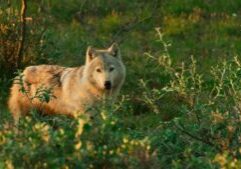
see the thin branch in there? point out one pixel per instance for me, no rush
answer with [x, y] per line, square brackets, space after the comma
[183, 130]
[119, 37]
[22, 33]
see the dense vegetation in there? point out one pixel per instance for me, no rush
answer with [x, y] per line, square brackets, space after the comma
[180, 104]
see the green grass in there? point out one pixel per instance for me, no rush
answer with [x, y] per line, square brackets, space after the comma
[209, 31]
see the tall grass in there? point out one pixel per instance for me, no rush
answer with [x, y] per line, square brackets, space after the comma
[180, 105]
[204, 134]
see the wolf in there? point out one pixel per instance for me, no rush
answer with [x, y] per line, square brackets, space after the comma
[74, 89]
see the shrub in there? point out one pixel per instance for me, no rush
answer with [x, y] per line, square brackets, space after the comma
[204, 134]
[207, 130]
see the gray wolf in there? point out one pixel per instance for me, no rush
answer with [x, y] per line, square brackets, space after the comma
[75, 89]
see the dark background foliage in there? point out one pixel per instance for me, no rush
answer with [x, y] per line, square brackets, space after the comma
[178, 107]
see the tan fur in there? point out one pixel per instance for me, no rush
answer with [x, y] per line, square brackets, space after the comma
[74, 89]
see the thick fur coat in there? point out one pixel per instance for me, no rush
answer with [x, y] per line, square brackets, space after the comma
[73, 90]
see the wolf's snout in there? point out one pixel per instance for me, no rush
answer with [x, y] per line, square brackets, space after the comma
[107, 85]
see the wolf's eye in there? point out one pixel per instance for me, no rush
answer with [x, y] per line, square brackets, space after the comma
[98, 70]
[111, 69]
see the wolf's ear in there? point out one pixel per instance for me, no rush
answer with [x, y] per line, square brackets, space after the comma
[90, 54]
[115, 51]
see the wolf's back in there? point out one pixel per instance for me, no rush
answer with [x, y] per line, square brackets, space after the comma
[49, 75]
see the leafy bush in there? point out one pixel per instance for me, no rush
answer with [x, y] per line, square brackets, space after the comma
[57, 142]
[208, 125]
[37, 47]
[187, 114]
[205, 134]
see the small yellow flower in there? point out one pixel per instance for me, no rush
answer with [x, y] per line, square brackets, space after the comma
[43, 129]
[221, 159]
[65, 167]
[9, 164]
[113, 122]
[45, 137]
[45, 165]
[104, 117]
[80, 127]
[233, 164]
[61, 131]
[123, 146]
[28, 119]
[125, 140]
[78, 145]
[91, 166]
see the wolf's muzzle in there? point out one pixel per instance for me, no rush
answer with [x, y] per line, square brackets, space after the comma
[107, 85]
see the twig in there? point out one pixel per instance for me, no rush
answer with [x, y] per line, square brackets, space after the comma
[128, 27]
[22, 33]
[198, 138]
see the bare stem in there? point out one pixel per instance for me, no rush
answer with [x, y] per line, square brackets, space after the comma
[203, 140]
[22, 33]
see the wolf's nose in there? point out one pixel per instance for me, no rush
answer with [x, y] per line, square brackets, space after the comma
[107, 85]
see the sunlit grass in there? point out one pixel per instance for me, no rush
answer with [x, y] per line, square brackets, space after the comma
[148, 129]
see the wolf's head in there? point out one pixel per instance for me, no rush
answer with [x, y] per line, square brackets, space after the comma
[104, 68]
